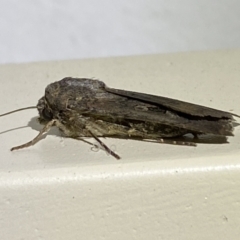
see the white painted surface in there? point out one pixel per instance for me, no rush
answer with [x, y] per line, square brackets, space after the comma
[61, 189]
[51, 30]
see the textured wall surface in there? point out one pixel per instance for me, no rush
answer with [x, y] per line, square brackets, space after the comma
[52, 30]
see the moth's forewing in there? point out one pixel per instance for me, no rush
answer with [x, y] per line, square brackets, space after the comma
[114, 104]
[176, 105]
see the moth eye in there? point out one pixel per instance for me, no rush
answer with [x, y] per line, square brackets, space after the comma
[47, 114]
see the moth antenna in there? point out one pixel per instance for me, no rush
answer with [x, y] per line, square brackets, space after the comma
[17, 110]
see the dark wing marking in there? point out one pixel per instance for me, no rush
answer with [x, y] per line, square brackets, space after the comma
[176, 105]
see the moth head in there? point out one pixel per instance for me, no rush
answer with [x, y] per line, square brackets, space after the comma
[45, 112]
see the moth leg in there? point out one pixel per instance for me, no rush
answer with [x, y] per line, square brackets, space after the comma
[86, 132]
[108, 150]
[81, 139]
[150, 137]
[45, 129]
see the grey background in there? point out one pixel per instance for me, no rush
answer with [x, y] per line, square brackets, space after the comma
[59, 29]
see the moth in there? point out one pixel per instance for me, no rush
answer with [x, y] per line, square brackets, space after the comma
[82, 107]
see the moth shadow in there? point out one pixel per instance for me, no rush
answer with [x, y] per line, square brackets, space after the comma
[35, 125]
[12, 129]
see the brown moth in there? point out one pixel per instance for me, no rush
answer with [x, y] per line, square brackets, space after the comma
[82, 107]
